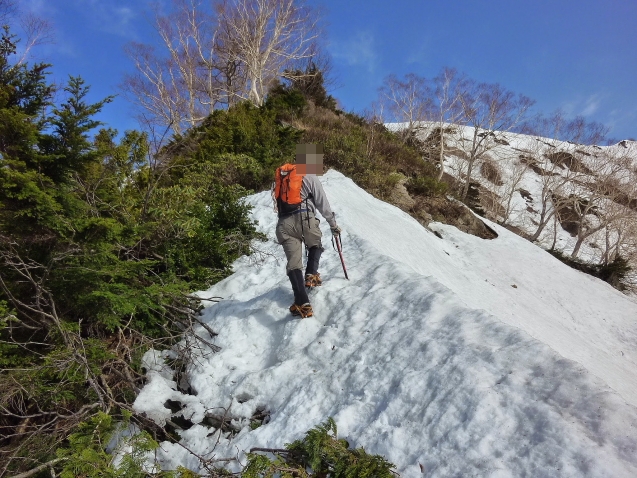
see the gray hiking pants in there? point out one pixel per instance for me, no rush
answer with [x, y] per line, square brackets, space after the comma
[291, 231]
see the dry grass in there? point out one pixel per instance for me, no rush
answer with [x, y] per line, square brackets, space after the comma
[491, 203]
[564, 159]
[491, 172]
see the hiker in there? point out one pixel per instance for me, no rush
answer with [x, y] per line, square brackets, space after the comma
[298, 194]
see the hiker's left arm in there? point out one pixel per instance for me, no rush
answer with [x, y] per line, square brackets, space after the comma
[321, 202]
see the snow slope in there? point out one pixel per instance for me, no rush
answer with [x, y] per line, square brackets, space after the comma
[464, 356]
[525, 210]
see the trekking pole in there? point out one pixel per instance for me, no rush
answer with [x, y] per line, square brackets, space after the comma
[339, 248]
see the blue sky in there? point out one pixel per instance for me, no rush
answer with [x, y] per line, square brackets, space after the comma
[578, 55]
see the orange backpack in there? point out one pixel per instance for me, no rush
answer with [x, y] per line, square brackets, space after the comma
[287, 189]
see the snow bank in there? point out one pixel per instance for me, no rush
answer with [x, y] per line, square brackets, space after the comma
[464, 356]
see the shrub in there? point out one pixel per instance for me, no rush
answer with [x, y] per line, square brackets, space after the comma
[320, 454]
[614, 272]
[364, 151]
[491, 172]
[245, 144]
[101, 246]
[426, 186]
[94, 450]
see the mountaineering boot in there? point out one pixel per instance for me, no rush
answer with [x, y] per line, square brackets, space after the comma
[304, 310]
[313, 280]
[312, 277]
[301, 304]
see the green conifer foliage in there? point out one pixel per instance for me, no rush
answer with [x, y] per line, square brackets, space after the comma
[242, 145]
[69, 149]
[319, 454]
[101, 245]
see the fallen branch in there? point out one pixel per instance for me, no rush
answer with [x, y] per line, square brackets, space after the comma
[206, 326]
[39, 468]
[270, 450]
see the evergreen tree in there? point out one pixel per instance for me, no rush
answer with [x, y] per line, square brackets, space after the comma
[68, 148]
[100, 248]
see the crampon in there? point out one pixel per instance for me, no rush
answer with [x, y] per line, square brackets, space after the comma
[303, 311]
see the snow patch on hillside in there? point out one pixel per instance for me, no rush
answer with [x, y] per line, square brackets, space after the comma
[466, 356]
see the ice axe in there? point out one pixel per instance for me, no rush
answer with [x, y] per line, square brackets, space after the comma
[339, 247]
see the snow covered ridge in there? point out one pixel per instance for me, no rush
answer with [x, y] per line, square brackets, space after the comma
[464, 356]
[523, 180]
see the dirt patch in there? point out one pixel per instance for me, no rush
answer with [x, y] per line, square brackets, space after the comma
[454, 213]
[544, 142]
[526, 195]
[457, 152]
[501, 140]
[624, 200]
[491, 172]
[535, 165]
[581, 151]
[564, 159]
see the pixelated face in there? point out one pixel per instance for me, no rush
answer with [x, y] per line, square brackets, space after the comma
[309, 159]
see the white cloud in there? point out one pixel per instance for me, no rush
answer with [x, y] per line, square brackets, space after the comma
[419, 53]
[110, 17]
[591, 105]
[580, 106]
[41, 8]
[357, 50]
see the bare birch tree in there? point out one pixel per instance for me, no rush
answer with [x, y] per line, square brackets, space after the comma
[620, 239]
[7, 10]
[34, 30]
[599, 203]
[268, 37]
[557, 138]
[178, 88]
[488, 109]
[446, 110]
[518, 169]
[213, 56]
[407, 101]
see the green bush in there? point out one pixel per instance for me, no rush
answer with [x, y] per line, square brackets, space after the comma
[614, 272]
[101, 245]
[320, 454]
[364, 151]
[244, 143]
[426, 186]
[93, 451]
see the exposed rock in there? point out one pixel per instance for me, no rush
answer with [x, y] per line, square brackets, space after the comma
[400, 196]
[440, 209]
[453, 213]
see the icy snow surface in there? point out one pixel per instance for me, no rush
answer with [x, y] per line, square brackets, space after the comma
[466, 356]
